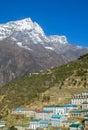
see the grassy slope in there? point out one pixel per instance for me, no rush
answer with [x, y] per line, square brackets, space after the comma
[58, 83]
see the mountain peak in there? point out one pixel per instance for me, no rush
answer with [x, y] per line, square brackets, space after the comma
[22, 24]
[26, 20]
[25, 26]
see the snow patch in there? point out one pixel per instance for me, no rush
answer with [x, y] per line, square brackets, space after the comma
[50, 48]
[79, 47]
[58, 39]
[19, 43]
[27, 48]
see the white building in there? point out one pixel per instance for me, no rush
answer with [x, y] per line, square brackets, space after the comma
[84, 105]
[24, 111]
[76, 127]
[44, 115]
[2, 124]
[85, 93]
[47, 115]
[34, 124]
[49, 108]
[60, 110]
[79, 99]
[70, 107]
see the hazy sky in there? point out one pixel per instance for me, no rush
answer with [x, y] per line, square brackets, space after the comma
[56, 17]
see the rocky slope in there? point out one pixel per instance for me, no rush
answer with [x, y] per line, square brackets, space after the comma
[17, 62]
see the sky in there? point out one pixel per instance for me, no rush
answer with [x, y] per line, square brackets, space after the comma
[56, 17]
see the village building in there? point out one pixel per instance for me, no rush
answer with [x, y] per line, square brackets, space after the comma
[34, 124]
[84, 105]
[39, 114]
[67, 123]
[70, 107]
[79, 99]
[44, 123]
[49, 108]
[85, 93]
[56, 115]
[57, 109]
[45, 115]
[24, 111]
[55, 120]
[86, 116]
[78, 113]
[76, 127]
[2, 124]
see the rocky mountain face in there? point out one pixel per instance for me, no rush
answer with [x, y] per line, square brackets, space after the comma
[16, 62]
[24, 49]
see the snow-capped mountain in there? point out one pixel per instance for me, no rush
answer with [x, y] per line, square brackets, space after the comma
[25, 33]
[27, 30]
[24, 49]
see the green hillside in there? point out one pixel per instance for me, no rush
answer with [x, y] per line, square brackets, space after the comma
[40, 88]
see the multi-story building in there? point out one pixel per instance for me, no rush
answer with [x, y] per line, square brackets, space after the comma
[85, 93]
[56, 120]
[34, 124]
[24, 111]
[44, 115]
[70, 107]
[44, 123]
[79, 98]
[76, 127]
[78, 113]
[60, 110]
[84, 105]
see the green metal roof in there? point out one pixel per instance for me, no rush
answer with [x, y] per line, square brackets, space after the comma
[79, 111]
[85, 103]
[76, 111]
[75, 125]
[85, 110]
[86, 115]
[54, 106]
[35, 120]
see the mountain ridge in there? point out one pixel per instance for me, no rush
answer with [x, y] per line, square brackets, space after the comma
[38, 52]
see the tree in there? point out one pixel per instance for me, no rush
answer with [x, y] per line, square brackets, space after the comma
[46, 98]
[0, 117]
[12, 128]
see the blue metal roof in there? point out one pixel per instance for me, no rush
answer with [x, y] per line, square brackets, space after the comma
[70, 105]
[47, 111]
[56, 116]
[19, 109]
[44, 121]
